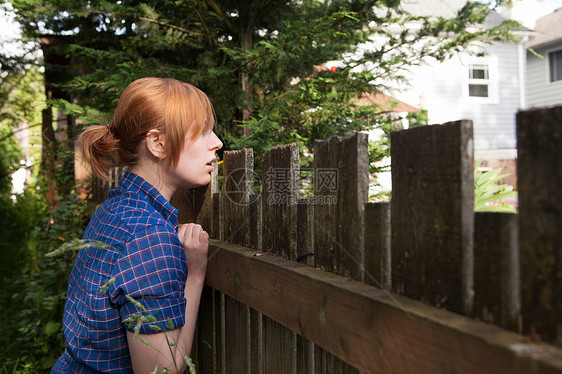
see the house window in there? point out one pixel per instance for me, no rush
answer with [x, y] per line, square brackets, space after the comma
[555, 64]
[478, 80]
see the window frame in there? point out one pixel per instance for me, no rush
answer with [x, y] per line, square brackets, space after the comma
[549, 80]
[490, 62]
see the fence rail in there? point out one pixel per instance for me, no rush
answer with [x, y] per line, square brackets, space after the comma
[331, 283]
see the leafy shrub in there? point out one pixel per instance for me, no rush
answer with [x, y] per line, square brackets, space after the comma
[488, 193]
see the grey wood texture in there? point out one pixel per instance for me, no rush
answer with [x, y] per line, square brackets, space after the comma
[433, 214]
[539, 166]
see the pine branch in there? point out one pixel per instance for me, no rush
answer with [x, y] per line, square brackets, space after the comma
[151, 20]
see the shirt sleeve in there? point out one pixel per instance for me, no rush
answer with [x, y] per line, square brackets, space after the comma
[149, 282]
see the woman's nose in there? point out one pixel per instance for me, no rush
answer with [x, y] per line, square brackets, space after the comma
[215, 142]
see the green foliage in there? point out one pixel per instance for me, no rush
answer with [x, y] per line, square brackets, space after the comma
[33, 286]
[263, 64]
[488, 193]
[33, 298]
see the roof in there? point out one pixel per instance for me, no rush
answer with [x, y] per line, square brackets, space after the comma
[446, 9]
[387, 103]
[548, 30]
[436, 8]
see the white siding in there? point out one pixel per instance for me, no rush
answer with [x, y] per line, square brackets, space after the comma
[541, 92]
[442, 89]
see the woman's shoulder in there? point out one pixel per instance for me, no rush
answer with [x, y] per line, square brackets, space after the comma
[132, 211]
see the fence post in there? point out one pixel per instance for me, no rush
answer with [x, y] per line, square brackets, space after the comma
[341, 187]
[280, 180]
[305, 232]
[433, 214]
[539, 166]
[217, 227]
[203, 201]
[496, 269]
[377, 245]
[238, 171]
[256, 318]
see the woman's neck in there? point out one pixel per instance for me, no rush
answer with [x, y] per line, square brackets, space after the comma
[152, 173]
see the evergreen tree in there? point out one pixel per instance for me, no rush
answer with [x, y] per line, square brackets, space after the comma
[263, 63]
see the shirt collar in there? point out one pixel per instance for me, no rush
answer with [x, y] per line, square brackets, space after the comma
[133, 183]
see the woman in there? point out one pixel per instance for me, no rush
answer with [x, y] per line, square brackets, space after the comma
[138, 279]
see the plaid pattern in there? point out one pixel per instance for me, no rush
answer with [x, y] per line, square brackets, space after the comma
[146, 261]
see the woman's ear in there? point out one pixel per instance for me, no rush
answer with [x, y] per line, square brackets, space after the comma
[155, 143]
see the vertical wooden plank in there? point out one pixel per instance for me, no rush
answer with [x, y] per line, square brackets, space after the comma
[326, 363]
[203, 201]
[256, 342]
[219, 331]
[236, 336]
[256, 318]
[238, 170]
[206, 346]
[217, 225]
[279, 345]
[305, 232]
[433, 214]
[377, 245]
[256, 224]
[539, 165]
[305, 254]
[279, 200]
[305, 356]
[496, 268]
[279, 236]
[341, 168]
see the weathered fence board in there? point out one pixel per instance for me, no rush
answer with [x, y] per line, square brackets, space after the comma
[341, 174]
[368, 327]
[237, 338]
[377, 245]
[268, 314]
[305, 356]
[217, 226]
[433, 214]
[256, 342]
[279, 200]
[496, 269]
[238, 168]
[305, 231]
[220, 318]
[279, 236]
[203, 201]
[206, 345]
[539, 165]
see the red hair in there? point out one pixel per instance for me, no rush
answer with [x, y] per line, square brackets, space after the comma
[178, 110]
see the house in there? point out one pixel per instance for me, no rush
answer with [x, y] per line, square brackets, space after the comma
[488, 90]
[544, 62]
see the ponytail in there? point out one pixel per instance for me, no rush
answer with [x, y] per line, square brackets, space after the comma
[98, 146]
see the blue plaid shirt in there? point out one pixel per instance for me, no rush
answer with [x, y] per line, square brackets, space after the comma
[145, 260]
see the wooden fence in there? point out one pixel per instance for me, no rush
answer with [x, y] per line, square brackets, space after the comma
[331, 283]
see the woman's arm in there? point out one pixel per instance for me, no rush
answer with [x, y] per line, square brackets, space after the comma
[145, 357]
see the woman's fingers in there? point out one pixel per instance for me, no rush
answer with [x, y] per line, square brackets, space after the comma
[192, 233]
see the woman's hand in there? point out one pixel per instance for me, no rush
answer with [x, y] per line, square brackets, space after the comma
[195, 242]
